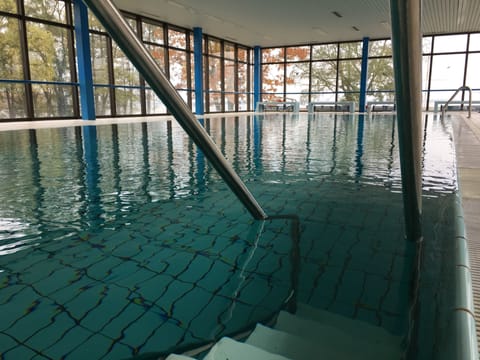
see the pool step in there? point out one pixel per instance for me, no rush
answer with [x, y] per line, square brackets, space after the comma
[309, 334]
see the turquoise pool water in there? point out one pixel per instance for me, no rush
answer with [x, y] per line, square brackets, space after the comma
[121, 240]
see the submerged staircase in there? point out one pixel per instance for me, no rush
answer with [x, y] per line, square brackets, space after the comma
[309, 334]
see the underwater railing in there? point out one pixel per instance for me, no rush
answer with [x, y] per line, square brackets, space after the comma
[113, 21]
[444, 107]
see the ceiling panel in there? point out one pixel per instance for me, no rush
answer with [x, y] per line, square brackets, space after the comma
[272, 23]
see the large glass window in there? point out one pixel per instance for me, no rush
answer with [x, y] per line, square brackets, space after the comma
[40, 77]
[9, 6]
[450, 43]
[51, 10]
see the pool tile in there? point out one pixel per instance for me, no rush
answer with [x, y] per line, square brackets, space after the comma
[7, 343]
[110, 304]
[375, 289]
[351, 286]
[115, 327]
[191, 305]
[219, 276]
[143, 328]
[85, 301]
[94, 347]
[49, 335]
[17, 307]
[57, 280]
[174, 292]
[165, 337]
[102, 269]
[19, 352]
[70, 340]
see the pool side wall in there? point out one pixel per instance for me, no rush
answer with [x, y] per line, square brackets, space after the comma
[463, 340]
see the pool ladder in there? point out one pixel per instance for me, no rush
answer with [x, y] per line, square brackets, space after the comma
[444, 107]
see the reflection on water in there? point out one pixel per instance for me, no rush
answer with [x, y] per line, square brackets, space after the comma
[128, 234]
[78, 178]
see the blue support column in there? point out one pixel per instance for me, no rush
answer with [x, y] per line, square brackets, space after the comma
[84, 61]
[256, 75]
[364, 76]
[198, 63]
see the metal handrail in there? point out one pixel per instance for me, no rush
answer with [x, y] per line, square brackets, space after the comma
[111, 18]
[444, 107]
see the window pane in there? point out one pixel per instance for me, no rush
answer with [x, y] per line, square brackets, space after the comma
[272, 78]
[153, 103]
[52, 10]
[326, 97]
[177, 39]
[152, 33]
[214, 74]
[380, 48]
[215, 102]
[132, 23]
[380, 77]
[298, 53]
[178, 68]
[273, 55]
[242, 54]
[427, 44]
[242, 77]
[473, 72]
[98, 48]
[425, 71]
[52, 100]
[214, 47]
[450, 43]
[9, 6]
[48, 52]
[447, 72]
[93, 22]
[102, 100]
[128, 101]
[324, 52]
[351, 50]
[12, 101]
[10, 53]
[158, 54]
[297, 82]
[349, 80]
[474, 42]
[229, 75]
[324, 76]
[242, 102]
[124, 71]
[229, 51]
[229, 102]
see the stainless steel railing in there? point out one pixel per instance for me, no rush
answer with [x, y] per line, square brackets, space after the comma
[444, 107]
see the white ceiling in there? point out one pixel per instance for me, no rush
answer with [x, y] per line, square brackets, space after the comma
[281, 22]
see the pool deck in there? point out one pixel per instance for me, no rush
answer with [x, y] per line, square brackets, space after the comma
[467, 144]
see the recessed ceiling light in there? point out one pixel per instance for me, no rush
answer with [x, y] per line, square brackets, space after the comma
[319, 31]
[214, 18]
[355, 28]
[337, 14]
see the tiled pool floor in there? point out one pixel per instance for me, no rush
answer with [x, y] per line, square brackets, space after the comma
[182, 272]
[154, 281]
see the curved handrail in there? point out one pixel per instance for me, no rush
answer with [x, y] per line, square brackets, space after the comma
[444, 107]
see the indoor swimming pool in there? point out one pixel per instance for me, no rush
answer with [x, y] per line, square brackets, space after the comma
[121, 240]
